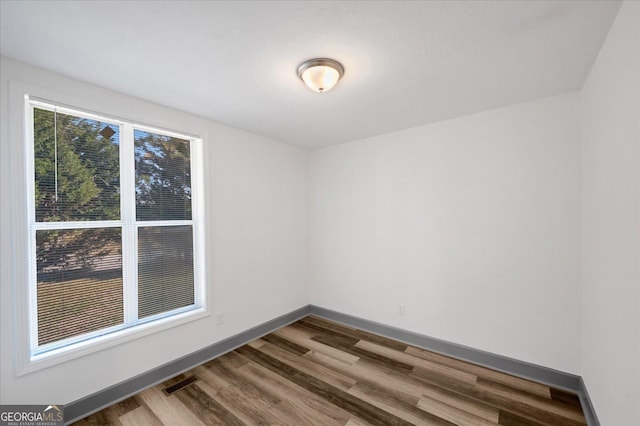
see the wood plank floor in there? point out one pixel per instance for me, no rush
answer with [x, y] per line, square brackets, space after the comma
[316, 372]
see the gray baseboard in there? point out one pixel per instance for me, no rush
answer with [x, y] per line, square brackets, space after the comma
[537, 373]
[587, 406]
[104, 398]
[523, 369]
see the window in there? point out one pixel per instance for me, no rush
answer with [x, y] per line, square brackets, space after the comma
[113, 226]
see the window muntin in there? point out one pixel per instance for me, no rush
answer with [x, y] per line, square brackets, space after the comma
[112, 213]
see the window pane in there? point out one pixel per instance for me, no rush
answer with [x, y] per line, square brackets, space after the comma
[77, 174]
[165, 269]
[79, 282]
[163, 177]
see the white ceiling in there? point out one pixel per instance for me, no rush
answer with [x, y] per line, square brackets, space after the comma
[407, 63]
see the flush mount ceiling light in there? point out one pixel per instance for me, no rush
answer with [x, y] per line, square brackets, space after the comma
[320, 74]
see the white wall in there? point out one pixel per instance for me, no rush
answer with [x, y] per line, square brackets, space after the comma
[257, 241]
[611, 224]
[472, 223]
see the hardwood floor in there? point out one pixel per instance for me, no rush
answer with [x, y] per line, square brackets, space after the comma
[322, 373]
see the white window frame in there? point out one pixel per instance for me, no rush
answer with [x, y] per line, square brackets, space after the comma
[31, 356]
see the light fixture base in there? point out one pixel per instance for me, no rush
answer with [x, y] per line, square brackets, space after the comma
[320, 74]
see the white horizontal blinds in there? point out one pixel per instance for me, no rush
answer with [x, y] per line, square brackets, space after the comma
[77, 170]
[163, 195]
[163, 177]
[112, 231]
[165, 269]
[79, 284]
[78, 262]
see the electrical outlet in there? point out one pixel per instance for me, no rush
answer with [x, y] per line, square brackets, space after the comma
[220, 318]
[402, 309]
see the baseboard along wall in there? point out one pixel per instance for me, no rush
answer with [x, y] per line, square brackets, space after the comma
[111, 395]
[97, 401]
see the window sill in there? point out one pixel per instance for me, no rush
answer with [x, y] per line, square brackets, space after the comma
[86, 347]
